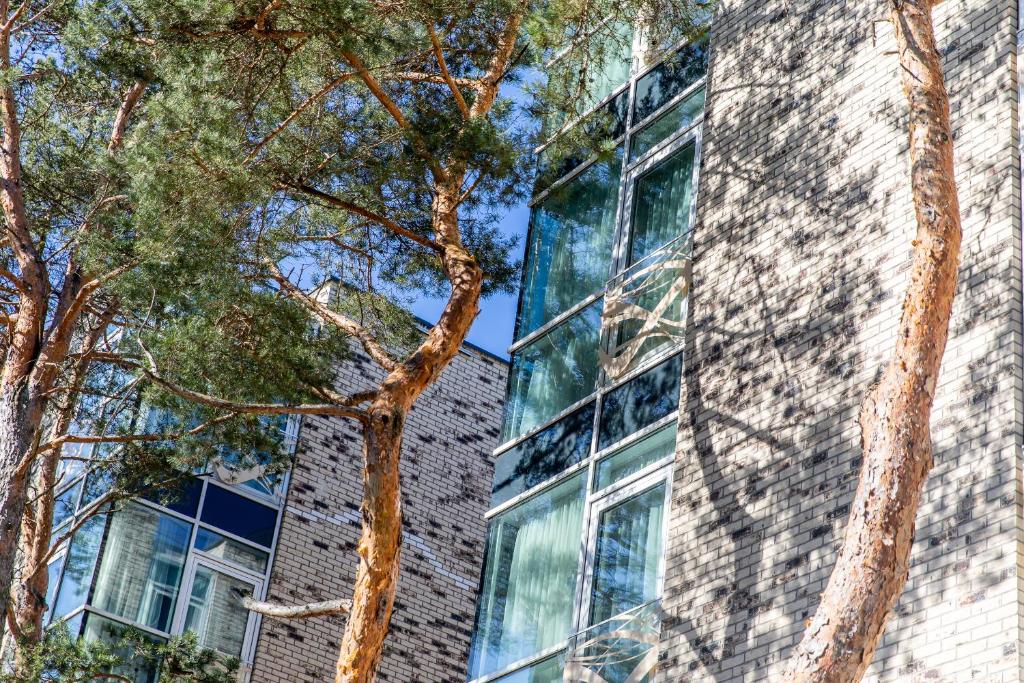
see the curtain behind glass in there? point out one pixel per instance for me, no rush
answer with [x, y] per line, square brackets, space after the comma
[661, 204]
[530, 578]
[215, 612]
[570, 250]
[627, 555]
[142, 565]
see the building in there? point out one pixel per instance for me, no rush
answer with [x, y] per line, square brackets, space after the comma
[291, 539]
[700, 318]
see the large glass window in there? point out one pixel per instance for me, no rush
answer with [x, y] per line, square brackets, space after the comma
[661, 203]
[526, 603]
[673, 76]
[239, 515]
[570, 247]
[79, 567]
[142, 566]
[640, 402]
[630, 459]
[551, 373]
[133, 667]
[547, 671]
[215, 612]
[678, 117]
[230, 550]
[627, 555]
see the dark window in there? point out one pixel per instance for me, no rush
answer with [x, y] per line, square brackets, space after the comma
[183, 498]
[640, 402]
[543, 455]
[239, 516]
[677, 73]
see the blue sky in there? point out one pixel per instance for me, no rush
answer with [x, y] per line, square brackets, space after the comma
[492, 330]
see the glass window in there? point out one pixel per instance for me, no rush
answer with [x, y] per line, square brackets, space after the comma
[545, 671]
[97, 483]
[215, 612]
[64, 505]
[661, 203]
[79, 567]
[543, 455]
[639, 402]
[677, 73]
[133, 667]
[529, 580]
[587, 75]
[550, 374]
[183, 498]
[238, 515]
[677, 118]
[627, 555]
[570, 250]
[636, 456]
[142, 565]
[52, 581]
[231, 550]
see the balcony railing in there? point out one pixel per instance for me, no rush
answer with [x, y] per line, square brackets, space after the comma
[623, 649]
[645, 308]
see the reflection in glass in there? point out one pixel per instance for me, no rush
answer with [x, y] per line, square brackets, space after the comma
[52, 581]
[550, 374]
[78, 569]
[661, 203]
[677, 118]
[543, 455]
[546, 671]
[636, 456]
[586, 76]
[623, 649]
[639, 402]
[231, 550]
[215, 612]
[183, 498]
[133, 667]
[529, 578]
[64, 505]
[97, 483]
[627, 555]
[570, 249]
[239, 515]
[677, 73]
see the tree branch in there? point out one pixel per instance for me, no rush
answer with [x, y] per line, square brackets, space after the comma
[374, 86]
[133, 438]
[443, 66]
[313, 609]
[124, 112]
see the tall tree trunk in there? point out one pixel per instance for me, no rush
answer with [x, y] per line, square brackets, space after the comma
[873, 563]
[381, 540]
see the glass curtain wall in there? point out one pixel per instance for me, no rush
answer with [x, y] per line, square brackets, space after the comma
[576, 536]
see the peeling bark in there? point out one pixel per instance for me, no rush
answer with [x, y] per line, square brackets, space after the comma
[873, 563]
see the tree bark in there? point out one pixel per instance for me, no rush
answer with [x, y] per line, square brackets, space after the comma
[873, 563]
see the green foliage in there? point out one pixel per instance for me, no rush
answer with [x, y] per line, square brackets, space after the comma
[61, 657]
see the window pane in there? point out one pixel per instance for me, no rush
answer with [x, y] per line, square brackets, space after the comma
[627, 555]
[97, 483]
[677, 118]
[215, 612]
[661, 203]
[605, 125]
[602, 67]
[677, 73]
[183, 499]
[239, 516]
[639, 402]
[543, 455]
[142, 566]
[529, 578]
[570, 250]
[64, 505]
[636, 456]
[52, 581]
[553, 372]
[133, 667]
[231, 550]
[547, 671]
[78, 570]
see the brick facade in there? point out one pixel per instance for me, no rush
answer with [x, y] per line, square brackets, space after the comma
[801, 253]
[446, 478]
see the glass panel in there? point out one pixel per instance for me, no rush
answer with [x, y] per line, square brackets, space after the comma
[239, 516]
[134, 668]
[585, 84]
[64, 505]
[677, 73]
[543, 455]
[570, 250]
[569, 151]
[231, 550]
[215, 611]
[529, 578]
[661, 203]
[623, 649]
[675, 119]
[78, 570]
[546, 671]
[627, 555]
[97, 483]
[633, 458]
[639, 402]
[183, 499]
[550, 374]
[142, 566]
[52, 581]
